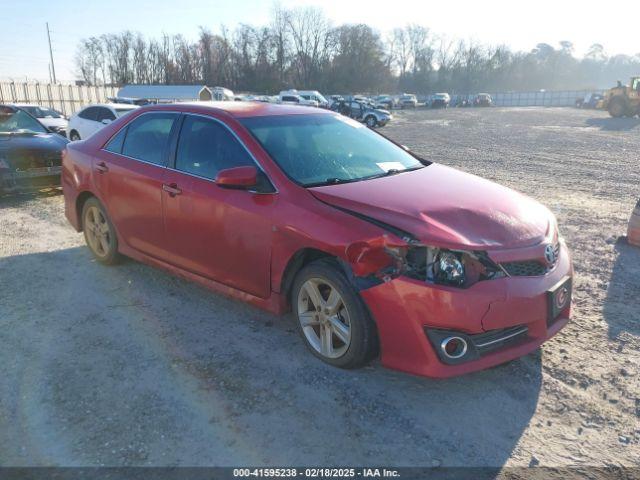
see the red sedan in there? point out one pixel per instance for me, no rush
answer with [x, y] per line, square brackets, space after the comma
[376, 250]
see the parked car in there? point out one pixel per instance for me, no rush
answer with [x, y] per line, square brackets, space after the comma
[408, 101]
[372, 247]
[440, 100]
[50, 118]
[462, 101]
[89, 120]
[590, 100]
[363, 112]
[292, 97]
[30, 154]
[384, 102]
[314, 95]
[133, 101]
[483, 100]
[222, 94]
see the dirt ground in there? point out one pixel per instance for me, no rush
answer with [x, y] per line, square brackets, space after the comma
[128, 365]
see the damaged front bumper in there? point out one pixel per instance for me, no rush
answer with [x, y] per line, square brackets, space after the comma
[33, 178]
[412, 315]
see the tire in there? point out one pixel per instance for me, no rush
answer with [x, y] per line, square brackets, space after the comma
[371, 121]
[74, 136]
[99, 232]
[348, 330]
[617, 107]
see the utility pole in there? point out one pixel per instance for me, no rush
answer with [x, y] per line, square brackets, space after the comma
[53, 68]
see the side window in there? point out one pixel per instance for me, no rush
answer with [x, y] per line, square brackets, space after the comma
[89, 113]
[115, 144]
[291, 99]
[147, 137]
[205, 147]
[105, 114]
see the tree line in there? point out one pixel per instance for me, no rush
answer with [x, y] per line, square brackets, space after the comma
[300, 48]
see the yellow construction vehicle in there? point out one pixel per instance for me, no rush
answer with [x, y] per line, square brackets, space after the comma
[623, 100]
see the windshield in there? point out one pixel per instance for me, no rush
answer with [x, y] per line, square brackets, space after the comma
[318, 150]
[41, 112]
[17, 121]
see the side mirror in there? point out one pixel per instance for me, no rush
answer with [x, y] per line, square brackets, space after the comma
[237, 177]
[106, 121]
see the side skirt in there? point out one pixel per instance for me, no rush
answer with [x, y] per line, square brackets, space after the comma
[275, 303]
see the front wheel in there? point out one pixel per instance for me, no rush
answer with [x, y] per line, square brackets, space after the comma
[617, 108]
[99, 233]
[74, 136]
[371, 121]
[331, 317]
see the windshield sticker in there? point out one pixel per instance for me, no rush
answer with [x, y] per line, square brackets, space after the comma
[386, 166]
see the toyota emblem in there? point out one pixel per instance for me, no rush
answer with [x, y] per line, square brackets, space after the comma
[561, 298]
[550, 254]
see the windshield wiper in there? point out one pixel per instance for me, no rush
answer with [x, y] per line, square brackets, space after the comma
[331, 181]
[336, 180]
[392, 171]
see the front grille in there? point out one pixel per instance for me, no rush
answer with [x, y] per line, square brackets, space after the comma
[527, 268]
[532, 268]
[494, 339]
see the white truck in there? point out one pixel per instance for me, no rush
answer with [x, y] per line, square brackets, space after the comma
[293, 97]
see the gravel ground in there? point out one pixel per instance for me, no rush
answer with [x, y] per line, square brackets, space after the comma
[128, 365]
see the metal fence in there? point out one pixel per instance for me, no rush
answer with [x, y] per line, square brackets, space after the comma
[64, 98]
[564, 98]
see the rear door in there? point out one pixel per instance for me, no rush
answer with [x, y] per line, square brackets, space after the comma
[86, 122]
[219, 233]
[129, 173]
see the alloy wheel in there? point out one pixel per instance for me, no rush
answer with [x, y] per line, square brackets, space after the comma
[324, 318]
[98, 232]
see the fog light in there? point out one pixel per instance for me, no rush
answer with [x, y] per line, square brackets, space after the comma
[454, 347]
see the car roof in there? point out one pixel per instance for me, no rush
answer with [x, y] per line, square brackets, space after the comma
[123, 106]
[240, 109]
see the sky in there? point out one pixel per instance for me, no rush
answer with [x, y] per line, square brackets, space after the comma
[520, 25]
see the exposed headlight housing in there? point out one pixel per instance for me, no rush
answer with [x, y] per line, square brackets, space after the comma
[449, 269]
[456, 268]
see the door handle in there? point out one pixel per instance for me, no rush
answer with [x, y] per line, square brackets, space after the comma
[172, 189]
[102, 167]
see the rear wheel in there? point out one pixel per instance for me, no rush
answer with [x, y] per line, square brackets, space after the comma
[74, 136]
[617, 107]
[331, 317]
[99, 232]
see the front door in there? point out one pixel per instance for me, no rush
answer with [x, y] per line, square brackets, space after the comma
[219, 233]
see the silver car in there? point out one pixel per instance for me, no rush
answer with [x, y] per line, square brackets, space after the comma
[363, 112]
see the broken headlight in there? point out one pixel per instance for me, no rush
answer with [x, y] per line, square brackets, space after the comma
[456, 268]
[449, 269]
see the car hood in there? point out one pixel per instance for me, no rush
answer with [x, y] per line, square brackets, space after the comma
[445, 207]
[53, 122]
